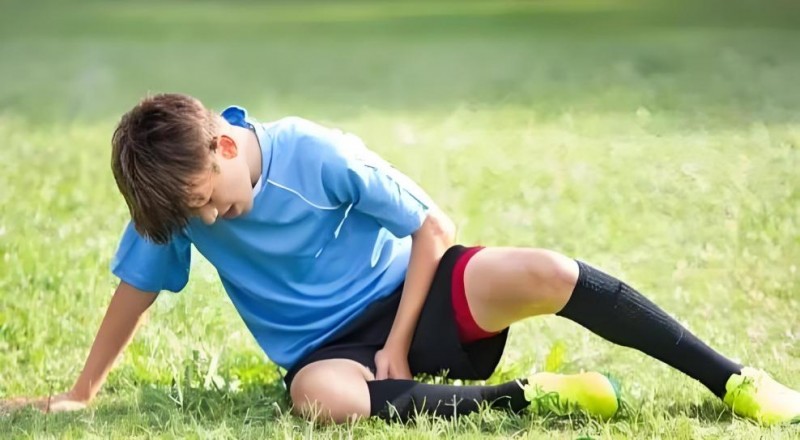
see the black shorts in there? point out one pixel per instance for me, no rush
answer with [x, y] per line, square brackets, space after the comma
[435, 349]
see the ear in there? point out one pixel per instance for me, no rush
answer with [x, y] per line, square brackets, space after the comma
[227, 147]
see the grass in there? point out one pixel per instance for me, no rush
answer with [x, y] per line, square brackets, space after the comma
[659, 142]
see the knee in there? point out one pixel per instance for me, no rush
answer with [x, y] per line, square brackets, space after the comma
[322, 399]
[316, 401]
[553, 277]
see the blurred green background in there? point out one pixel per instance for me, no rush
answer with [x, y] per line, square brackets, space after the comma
[659, 140]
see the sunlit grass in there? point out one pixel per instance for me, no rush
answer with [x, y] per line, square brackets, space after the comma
[666, 154]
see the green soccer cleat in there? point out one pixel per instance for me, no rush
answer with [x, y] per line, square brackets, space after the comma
[756, 396]
[565, 394]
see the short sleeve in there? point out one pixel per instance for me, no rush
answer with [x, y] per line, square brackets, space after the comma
[354, 174]
[149, 266]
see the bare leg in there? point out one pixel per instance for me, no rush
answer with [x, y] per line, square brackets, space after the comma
[333, 390]
[506, 285]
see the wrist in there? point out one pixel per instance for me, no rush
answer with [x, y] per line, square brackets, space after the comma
[397, 345]
[400, 336]
[75, 394]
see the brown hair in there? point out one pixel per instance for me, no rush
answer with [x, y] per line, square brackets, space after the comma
[160, 147]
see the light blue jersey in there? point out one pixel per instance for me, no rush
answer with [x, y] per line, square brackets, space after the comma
[327, 236]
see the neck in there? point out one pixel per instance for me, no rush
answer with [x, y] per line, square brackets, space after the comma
[250, 147]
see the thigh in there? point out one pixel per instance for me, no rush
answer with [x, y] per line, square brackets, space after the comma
[332, 390]
[437, 348]
[505, 285]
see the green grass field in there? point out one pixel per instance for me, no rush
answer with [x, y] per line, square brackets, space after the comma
[660, 143]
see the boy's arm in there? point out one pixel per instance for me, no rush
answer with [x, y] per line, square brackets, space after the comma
[429, 243]
[124, 314]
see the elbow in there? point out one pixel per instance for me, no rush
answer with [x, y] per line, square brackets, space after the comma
[449, 231]
[442, 227]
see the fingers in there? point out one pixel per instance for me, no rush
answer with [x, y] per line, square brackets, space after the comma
[381, 368]
[66, 406]
[382, 372]
[401, 373]
[10, 405]
[387, 371]
[52, 404]
[5, 407]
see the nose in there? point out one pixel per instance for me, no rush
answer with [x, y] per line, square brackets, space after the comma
[208, 214]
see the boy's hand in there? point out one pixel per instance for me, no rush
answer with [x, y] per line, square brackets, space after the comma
[428, 245]
[59, 403]
[124, 314]
[391, 364]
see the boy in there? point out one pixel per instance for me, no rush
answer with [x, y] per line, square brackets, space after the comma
[347, 276]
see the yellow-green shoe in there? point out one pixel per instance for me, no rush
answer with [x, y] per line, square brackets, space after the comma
[565, 394]
[756, 396]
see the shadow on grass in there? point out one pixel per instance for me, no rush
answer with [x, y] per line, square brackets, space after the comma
[710, 410]
[157, 409]
[266, 408]
[255, 402]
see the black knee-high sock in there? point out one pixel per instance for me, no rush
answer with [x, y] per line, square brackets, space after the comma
[620, 314]
[403, 399]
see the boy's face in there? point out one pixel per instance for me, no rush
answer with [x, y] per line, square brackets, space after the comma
[224, 189]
